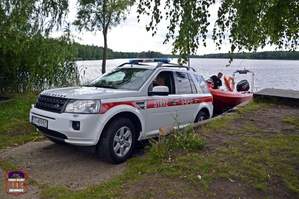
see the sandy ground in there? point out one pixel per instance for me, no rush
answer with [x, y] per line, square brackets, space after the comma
[52, 164]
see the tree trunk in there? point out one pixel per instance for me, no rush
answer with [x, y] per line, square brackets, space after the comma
[104, 58]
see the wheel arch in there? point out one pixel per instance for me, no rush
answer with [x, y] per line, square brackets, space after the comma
[125, 114]
[206, 110]
[203, 109]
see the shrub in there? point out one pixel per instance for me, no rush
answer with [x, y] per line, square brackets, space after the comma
[180, 140]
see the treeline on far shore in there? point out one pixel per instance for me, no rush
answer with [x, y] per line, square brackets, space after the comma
[285, 55]
[90, 52]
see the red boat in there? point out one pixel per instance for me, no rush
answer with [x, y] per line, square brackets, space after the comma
[224, 100]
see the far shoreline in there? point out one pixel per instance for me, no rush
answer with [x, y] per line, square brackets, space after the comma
[192, 58]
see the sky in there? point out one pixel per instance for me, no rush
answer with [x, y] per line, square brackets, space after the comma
[131, 36]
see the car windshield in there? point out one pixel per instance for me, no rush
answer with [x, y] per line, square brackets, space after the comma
[123, 78]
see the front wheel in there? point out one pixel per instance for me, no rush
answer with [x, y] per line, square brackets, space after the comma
[202, 115]
[118, 141]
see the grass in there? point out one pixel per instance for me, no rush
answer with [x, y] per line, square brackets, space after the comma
[254, 106]
[14, 125]
[179, 141]
[293, 120]
[7, 165]
[255, 161]
[250, 127]
[222, 122]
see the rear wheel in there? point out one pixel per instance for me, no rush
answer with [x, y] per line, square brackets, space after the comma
[118, 141]
[202, 115]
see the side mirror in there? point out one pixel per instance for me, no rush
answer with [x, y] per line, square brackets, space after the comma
[159, 90]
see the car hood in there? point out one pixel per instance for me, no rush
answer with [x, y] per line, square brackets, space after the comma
[88, 93]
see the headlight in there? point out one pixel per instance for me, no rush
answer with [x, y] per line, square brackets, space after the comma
[83, 106]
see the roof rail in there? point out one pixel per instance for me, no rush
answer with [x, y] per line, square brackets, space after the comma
[161, 60]
[176, 66]
[161, 63]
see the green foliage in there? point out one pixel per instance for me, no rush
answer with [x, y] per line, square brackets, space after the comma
[187, 22]
[28, 59]
[41, 63]
[30, 17]
[96, 15]
[179, 140]
[255, 23]
[246, 24]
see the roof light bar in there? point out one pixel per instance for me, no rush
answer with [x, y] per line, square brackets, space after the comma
[161, 60]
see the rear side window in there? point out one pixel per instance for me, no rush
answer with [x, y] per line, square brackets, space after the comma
[182, 82]
[202, 83]
[194, 89]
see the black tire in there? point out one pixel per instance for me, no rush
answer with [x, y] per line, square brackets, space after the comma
[106, 146]
[202, 115]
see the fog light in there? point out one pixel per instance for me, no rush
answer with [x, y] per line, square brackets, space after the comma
[76, 125]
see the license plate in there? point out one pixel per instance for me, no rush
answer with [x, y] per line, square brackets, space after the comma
[40, 122]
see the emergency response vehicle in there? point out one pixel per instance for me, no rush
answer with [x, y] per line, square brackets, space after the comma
[120, 108]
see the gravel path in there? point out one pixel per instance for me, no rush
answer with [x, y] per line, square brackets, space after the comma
[61, 165]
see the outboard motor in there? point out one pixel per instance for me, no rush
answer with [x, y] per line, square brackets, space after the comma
[243, 85]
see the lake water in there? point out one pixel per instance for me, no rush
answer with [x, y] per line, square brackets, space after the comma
[283, 74]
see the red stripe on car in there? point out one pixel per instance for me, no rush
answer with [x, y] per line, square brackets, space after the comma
[157, 103]
[106, 106]
[176, 102]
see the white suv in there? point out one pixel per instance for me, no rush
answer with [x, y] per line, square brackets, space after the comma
[127, 105]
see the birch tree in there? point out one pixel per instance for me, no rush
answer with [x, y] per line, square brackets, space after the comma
[101, 15]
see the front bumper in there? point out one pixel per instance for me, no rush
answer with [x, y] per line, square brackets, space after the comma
[60, 126]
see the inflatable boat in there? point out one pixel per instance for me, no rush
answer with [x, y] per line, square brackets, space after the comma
[224, 100]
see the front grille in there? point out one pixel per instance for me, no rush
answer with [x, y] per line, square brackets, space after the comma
[49, 103]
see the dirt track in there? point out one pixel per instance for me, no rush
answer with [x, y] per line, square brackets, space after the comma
[52, 164]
